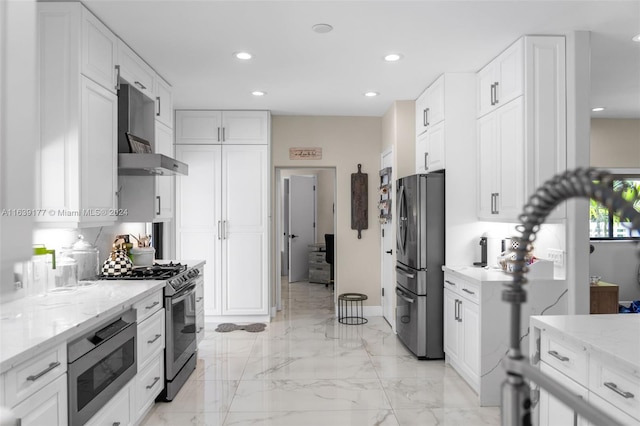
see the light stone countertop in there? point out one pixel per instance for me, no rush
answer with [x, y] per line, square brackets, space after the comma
[614, 338]
[32, 325]
[481, 275]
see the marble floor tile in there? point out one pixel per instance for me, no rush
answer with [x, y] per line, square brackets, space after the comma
[307, 369]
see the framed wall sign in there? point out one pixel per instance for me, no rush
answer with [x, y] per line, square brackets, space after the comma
[305, 153]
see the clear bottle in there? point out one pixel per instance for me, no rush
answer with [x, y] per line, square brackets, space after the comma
[87, 257]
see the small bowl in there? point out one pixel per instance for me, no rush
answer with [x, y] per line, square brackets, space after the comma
[594, 280]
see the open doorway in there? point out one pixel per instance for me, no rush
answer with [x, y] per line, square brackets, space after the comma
[305, 212]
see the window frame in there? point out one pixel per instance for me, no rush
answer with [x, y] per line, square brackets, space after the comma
[618, 174]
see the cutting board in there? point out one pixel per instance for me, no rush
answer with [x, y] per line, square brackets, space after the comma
[359, 201]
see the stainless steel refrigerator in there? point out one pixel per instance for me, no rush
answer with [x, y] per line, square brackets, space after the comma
[419, 259]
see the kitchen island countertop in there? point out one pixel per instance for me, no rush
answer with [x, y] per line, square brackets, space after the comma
[34, 324]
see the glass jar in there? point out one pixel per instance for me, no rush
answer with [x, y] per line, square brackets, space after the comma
[87, 257]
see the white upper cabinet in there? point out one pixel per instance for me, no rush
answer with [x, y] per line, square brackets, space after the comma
[444, 115]
[99, 52]
[521, 129]
[502, 80]
[135, 71]
[76, 178]
[222, 127]
[164, 102]
[430, 106]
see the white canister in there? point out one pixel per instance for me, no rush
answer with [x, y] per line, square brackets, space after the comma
[142, 256]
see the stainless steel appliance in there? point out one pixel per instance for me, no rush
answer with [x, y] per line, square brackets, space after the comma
[420, 257]
[100, 363]
[180, 320]
[180, 326]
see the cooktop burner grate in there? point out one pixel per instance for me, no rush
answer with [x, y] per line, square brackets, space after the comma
[158, 271]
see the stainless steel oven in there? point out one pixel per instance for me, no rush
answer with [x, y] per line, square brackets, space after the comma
[180, 350]
[101, 363]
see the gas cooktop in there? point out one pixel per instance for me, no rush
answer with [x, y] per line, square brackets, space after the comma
[158, 271]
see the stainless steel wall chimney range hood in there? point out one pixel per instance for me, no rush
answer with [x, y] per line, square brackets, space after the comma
[136, 126]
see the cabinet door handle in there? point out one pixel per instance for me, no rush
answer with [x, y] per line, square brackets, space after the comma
[495, 91]
[219, 230]
[491, 94]
[426, 161]
[614, 388]
[493, 208]
[154, 339]
[116, 424]
[455, 310]
[459, 311]
[43, 372]
[140, 85]
[555, 354]
[117, 67]
[468, 291]
[427, 116]
[159, 204]
[224, 134]
[497, 200]
[218, 134]
[156, 303]
[198, 299]
[158, 112]
[424, 117]
[449, 282]
[155, 380]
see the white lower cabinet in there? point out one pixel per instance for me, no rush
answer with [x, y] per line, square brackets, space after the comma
[200, 309]
[601, 383]
[149, 382]
[47, 407]
[462, 329]
[118, 411]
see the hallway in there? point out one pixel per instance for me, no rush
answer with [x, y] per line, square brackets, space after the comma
[308, 369]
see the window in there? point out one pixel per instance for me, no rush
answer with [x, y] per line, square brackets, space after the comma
[603, 225]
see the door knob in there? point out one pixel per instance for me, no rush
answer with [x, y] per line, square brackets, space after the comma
[293, 236]
[389, 251]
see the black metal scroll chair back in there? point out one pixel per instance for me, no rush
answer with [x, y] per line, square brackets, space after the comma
[329, 242]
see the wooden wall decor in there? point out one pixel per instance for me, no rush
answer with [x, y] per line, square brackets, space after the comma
[359, 201]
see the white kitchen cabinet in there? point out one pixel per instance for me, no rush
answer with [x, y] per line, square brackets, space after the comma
[430, 109]
[580, 353]
[222, 127]
[48, 406]
[443, 116]
[135, 71]
[521, 129]
[118, 411]
[552, 411]
[99, 51]
[430, 149]
[199, 309]
[36, 388]
[476, 323]
[164, 102]
[502, 80]
[18, 107]
[500, 152]
[222, 214]
[462, 328]
[76, 178]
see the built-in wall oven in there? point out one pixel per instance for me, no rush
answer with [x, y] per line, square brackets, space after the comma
[101, 362]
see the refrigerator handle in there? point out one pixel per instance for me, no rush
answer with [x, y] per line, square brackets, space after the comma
[404, 272]
[401, 221]
[401, 295]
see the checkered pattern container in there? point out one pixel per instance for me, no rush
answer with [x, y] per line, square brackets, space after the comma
[117, 265]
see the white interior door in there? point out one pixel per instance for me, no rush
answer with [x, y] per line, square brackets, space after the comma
[302, 208]
[388, 281]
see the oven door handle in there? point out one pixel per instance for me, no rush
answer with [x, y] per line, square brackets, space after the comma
[183, 294]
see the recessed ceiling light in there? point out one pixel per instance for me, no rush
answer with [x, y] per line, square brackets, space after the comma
[393, 57]
[258, 93]
[597, 109]
[322, 28]
[371, 94]
[243, 55]
[636, 38]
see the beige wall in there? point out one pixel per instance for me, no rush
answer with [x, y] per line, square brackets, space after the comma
[345, 142]
[399, 131]
[615, 142]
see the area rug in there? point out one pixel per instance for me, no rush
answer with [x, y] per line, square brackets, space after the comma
[252, 328]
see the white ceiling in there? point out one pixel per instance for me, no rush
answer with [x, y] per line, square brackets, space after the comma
[190, 43]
